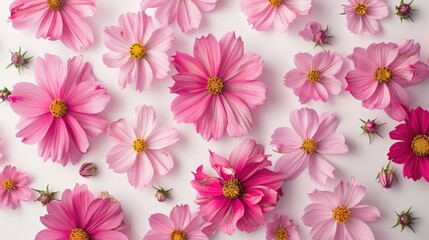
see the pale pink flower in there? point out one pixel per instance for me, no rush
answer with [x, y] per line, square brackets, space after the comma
[217, 87]
[13, 187]
[315, 77]
[244, 190]
[281, 228]
[363, 15]
[57, 19]
[306, 143]
[181, 225]
[266, 14]
[187, 13]
[140, 151]
[337, 216]
[61, 110]
[138, 50]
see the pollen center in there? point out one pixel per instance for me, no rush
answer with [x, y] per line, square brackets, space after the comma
[275, 3]
[309, 146]
[55, 5]
[178, 235]
[215, 85]
[281, 234]
[137, 51]
[232, 189]
[79, 234]
[360, 8]
[341, 214]
[139, 145]
[383, 75]
[58, 108]
[420, 145]
[8, 184]
[313, 75]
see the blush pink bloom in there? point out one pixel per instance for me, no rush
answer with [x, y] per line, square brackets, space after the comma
[266, 14]
[244, 190]
[281, 228]
[180, 225]
[140, 151]
[363, 15]
[79, 215]
[305, 144]
[315, 77]
[13, 187]
[138, 50]
[61, 110]
[337, 216]
[57, 19]
[217, 87]
[187, 13]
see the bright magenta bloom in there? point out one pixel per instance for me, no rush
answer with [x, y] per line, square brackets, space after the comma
[79, 215]
[58, 20]
[61, 110]
[217, 87]
[13, 187]
[281, 228]
[244, 190]
[363, 15]
[337, 216]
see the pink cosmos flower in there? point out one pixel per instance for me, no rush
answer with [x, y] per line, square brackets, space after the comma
[314, 32]
[58, 20]
[138, 50]
[140, 151]
[306, 143]
[180, 225]
[79, 215]
[266, 14]
[13, 187]
[186, 12]
[336, 215]
[382, 71]
[244, 190]
[363, 15]
[281, 228]
[217, 87]
[315, 77]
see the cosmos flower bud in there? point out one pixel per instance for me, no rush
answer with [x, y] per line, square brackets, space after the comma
[45, 196]
[370, 127]
[4, 94]
[387, 177]
[161, 194]
[404, 10]
[87, 170]
[405, 219]
[19, 60]
[105, 194]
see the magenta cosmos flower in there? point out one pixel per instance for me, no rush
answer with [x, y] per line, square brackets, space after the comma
[336, 215]
[79, 215]
[62, 110]
[315, 77]
[138, 50]
[181, 225]
[306, 143]
[382, 71]
[363, 15]
[281, 228]
[58, 20]
[140, 151]
[217, 87]
[186, 12]
[266, 14]
[243, 191]
[13, 187]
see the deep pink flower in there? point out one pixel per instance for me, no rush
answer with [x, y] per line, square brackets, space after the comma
[61, 110]
[306, 143]
[315, 77]
[79, 215]
[266, 14]
[336, 215]
[181, 225]
[186, 12]
[244, 190]
[314, 32]
[138, 50]
[140, 151]
[58, 20]
[363, 15]
[217, 87]
[13, 187]
[281, 228]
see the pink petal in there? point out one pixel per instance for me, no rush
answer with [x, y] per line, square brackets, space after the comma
[292, 164]
[248, 67]
[349, 194]
[213, 121]
[188, 16]
[48, 234]
[122, 132]
[51, 26]
[380, 99]
[238, 116]
[332, 144]
[283, 16]
[50, 73]
[162, 138]
[121, 158]
[244, 151]
[181, 216]
[186, 63]
[88, 97]
[32, 130]
[92, 124]
[230, 219]
[328, 123]
[286, 140]
[190, 108]
[316, 213]
[77, 133]
[110, 234]
[25, 14]
[161, 223]
[207, 52]
[161, 160]
[146, 121]
[232, 49]
[324, 230]
[141, 173]
[365, 213]
[320, 169]
[358, 230]
[115, 41]
[77, 34]
[103, 215]
[304, 121]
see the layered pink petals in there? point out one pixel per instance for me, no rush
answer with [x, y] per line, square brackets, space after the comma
[281, 223]
[13, 187]
[363, 15]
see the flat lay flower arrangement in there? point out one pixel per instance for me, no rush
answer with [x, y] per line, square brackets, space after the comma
[214, 119]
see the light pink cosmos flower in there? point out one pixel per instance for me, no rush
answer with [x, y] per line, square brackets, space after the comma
[266, 14]
[181, 225]
[337, 216]
[306, 143]
[363, 15]
[186, 12]
[58, 20]
[315, 77]
[138, 50]
[217, 87]
[140, 151]
[62, 110]
[244, 190]
[281, 228]
[13, 187]
[380, 74]
[79, 215]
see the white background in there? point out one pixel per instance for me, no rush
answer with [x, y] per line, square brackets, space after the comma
[277, 50]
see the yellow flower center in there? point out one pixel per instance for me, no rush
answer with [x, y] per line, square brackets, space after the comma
[383, 75]
[215, 85]
[58, 108]
[281, 234]
[139, 145]
[8, 184]
[232, 189]
[341, 214]
[313, 75]
[309, 146]
[178, 235]
[360, 8]
[79, 234]
[55, 5]
[420, 145]
[137, 51]
[275, 3]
